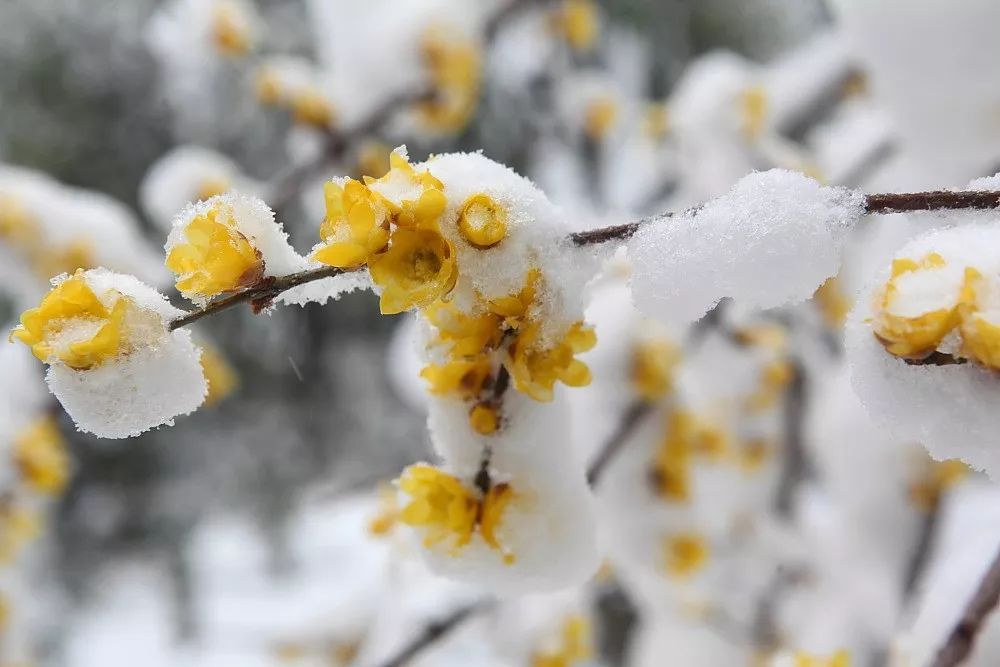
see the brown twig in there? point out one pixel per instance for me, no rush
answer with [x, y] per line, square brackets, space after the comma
[258, 295]
[920, 556]
[632, 417]
[435, 631]
[501, 383]
[795, 468]
[875, 204]
[962, 639]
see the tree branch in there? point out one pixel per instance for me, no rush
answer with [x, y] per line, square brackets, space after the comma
[258, 295]
[875, 204]
[632, 417]
[437, 630]
[962, 639]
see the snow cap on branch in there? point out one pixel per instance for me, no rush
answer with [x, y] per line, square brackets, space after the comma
[773, 239]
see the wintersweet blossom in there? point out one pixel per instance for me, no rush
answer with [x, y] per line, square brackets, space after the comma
[113, 363]
[653, 363]
[214, 257]
[453, 64]
[450, 513]
[573, 645]
[685, 554]
[577, 22]
[535, 367]
[41, 458]
[356, 225]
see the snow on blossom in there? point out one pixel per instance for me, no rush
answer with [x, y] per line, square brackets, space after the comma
[113, 363]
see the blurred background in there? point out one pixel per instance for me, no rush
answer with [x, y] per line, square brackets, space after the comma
[243, 535]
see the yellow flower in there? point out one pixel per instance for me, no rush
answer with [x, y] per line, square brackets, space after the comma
[72, 326]
[577, 22]
[215, 256]
[40, 457]
[230, 29]
[49, 262]
[514, 309]
[753, 111]
[685, 554]
[600, 117]
[355, 227]
[912, 336]
[465, 335]
[753, 454]
[453, 64]
[482, 221]
[980, 336]
[775, 376]
[18, 526]
[575, 644]
[221, 377]
[388, 512]
[484, 418]
[210, 187]
[449, 512]
[309, 106]
[832, 303]
[423, 208]
[16, 223]
[464, 378]
[535, 369]
[268, 86]
[839, 659]
[653, 364]
[937, 477]
[685, 437]
[418, 269]
[372, 159]
[656, 124]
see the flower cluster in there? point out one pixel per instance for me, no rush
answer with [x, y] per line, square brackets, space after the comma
[419, 244]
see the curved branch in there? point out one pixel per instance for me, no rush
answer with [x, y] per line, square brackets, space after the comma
[632, 417]
[258, 295]
[962, 639]
[875, 204]
[435, 631]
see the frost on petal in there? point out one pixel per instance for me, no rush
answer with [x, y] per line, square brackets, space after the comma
[113, 363]
[545, 529]
[773, 239]
[937, 298]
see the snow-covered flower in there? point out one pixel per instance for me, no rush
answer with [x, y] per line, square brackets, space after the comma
[937, 298]
[226, 243]
[113, 363]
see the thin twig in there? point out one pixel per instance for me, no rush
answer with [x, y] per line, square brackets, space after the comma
[920, 556]
[795, 468]
[875, 204]
[962, 639]
[435, 631]
[632, 417]
[258, 295]
[501, 383]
